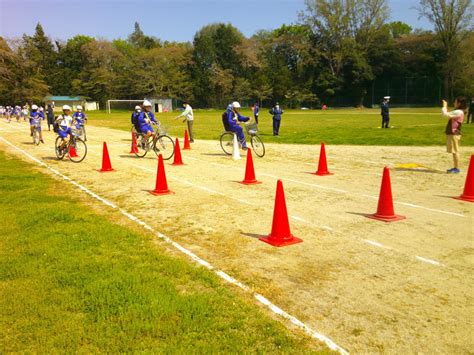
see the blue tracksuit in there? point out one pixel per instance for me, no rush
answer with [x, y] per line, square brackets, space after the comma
[79, 117]
[384, 111]
[35, 116]
[276, 112]
[232, 119]
[143, 125]
[256, 111]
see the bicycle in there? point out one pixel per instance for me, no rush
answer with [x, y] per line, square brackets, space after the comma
[74, 141]
[227, 140]
[36, 133]
[160, 143]
[81, 130]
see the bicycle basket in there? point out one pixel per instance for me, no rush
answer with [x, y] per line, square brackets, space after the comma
[251, 128]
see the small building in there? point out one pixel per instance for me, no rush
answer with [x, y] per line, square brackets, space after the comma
[72, 101]
[161, 105]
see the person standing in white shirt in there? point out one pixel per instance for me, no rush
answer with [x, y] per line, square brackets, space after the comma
[453, 129]
[189, 118]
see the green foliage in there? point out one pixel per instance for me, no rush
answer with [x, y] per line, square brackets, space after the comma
[399, 29]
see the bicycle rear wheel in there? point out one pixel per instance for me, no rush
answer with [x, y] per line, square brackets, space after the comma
[81, 150]
[227, 142]
[257, 145]
[164, 145]
[60, 152]
[143, 145]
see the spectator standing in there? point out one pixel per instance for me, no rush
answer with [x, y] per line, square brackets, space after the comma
[276, 112]
[189, 119]
[453, 129]
[385, 112]
[50, 116]
[256, 111]
[470, 118]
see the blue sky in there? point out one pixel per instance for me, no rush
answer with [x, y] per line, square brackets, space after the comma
[176, 20]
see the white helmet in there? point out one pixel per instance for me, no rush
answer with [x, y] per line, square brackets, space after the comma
[235, 104]
[146, 103]
[67, 107]
[79, 107]
[138, 108]
[34, 107]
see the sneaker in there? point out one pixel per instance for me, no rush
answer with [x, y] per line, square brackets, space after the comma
[453, 171]
[42, 141]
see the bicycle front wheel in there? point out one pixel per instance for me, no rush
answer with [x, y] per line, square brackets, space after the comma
[81, 150]
[143, 145]
[36, 136]
[227, 142]
[164, 145]
[60, 152]
[257, 146]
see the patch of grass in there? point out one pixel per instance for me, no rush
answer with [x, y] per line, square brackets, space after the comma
[72, 281]
[412, 127]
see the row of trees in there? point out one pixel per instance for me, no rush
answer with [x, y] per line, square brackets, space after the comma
[335, 55]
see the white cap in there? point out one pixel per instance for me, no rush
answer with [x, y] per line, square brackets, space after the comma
[138, 107]
[146, 103]
[66, 107]
[79, 107]
[386, 97]
[34, 107]
[235, 104]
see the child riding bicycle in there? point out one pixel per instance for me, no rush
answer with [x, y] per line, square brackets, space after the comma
[145, 119]
[232, 117]
[79, 118]
[65, 122]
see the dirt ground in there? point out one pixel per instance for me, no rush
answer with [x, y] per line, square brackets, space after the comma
[370, 286]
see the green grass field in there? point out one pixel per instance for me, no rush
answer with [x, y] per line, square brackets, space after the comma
[415, 127]
[73, 281]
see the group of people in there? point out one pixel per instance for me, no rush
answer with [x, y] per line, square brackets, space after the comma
[17, 112]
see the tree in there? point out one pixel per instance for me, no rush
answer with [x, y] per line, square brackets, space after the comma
[139, 40]
[20, 80]
[452, 22]
[399, 29]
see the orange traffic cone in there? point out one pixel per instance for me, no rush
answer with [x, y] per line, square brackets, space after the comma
[187, 145]
[134, 148]
[72, 152]
[106, 166]
[385, 210]
[281, 234]
[468, 194]
[161, 186]
[249, 171]
[323, 164]
[177, 154]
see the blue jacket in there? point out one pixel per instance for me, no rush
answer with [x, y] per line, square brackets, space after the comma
[79, 116]
[134, 117]
[384, 108]
[142, 117]
[276, 112]
[256, 110]
[233, 117]
[35, 115]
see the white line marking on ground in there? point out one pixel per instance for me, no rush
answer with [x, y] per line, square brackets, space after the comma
[220, 273]
[429, 261]
[377, 244]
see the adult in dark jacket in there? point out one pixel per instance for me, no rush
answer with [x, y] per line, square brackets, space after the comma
[50, 115]
[276, 112]
[385, 112]
[470, 114]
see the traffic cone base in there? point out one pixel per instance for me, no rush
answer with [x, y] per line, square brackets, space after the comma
[279, 242]
[159, 193]
[324, 173]
[393, 218]
[465, 198]
[105, 171]
[468, 193]
[254, 182]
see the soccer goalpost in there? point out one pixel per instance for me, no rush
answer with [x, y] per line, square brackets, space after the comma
[129, 101]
